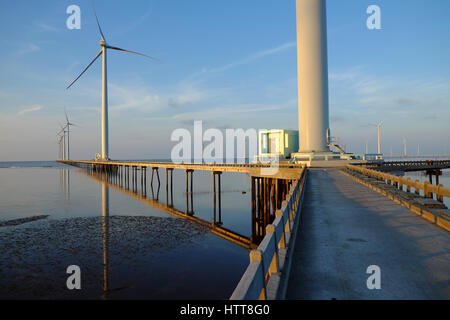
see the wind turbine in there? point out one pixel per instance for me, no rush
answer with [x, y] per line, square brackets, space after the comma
[59, 145]
[63, 140]
[68, 124]
[103, 52]
[379, 135]
[404, 146]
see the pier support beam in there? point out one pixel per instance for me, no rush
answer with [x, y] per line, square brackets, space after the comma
[155, 169]
[190, 192]
[253, 212]
[217, 194]
[169, 190]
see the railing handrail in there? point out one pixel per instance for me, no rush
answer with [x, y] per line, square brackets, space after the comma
[205, 164]
[409, 163]
[418, 186]
[265, 260]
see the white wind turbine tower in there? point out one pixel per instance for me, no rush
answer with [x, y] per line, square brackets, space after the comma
[103, 53]
[404, 146]
[60, 146]
[379, 135]
[63, 141]
[68, 124]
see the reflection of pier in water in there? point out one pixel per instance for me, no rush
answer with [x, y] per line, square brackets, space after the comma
[128, 184]
[105, 237]
[267, 194]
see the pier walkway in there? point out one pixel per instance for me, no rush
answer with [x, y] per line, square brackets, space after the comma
[280, 170]
[347, 227]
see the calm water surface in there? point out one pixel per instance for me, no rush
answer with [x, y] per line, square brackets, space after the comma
[134, 251]
[422, 177]
[126, 247]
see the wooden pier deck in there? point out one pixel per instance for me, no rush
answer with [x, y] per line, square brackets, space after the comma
[282, 170]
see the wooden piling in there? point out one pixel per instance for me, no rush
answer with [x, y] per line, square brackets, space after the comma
[220, 197]
[253, 206]
[214, 196]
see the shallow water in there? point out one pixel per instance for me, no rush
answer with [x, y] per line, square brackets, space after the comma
[53, 216]
[422, 177]
[126, 247]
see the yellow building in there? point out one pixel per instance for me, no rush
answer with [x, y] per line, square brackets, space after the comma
[277, 143]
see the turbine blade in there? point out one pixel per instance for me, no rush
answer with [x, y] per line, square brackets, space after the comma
[65, 112]
[120, 49]
[98, 55]
[98, 23]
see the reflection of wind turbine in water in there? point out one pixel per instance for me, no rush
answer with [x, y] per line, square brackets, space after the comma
[105, 232]
[103, 52]
[105, 241]
[67, 173]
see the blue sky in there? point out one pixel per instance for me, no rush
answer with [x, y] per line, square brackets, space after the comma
[229, 63]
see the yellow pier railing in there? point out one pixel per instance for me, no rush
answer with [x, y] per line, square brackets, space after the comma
[266, 276]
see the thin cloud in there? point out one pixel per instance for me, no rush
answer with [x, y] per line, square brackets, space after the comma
[45, 27]
[138, 21]
[145, 100]
[249, 59]
[256, 56]
[32, 109]
[29, 49]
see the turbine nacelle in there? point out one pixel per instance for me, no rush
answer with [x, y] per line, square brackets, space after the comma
[103, 43]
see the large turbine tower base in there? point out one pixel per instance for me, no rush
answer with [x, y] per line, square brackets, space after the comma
[312, 60]
[312, 76]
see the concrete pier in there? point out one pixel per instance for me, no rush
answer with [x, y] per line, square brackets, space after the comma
[347, 227]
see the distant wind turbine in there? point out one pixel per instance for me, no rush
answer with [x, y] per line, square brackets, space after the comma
[63, 141]
[379, 135]
[404, 146]
[59, 146]
[103, 53]
[68, 124]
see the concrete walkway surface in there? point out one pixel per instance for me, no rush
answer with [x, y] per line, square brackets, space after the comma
[346, 227]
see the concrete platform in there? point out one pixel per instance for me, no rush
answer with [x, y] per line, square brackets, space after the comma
[329, 163]
[348, 227]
